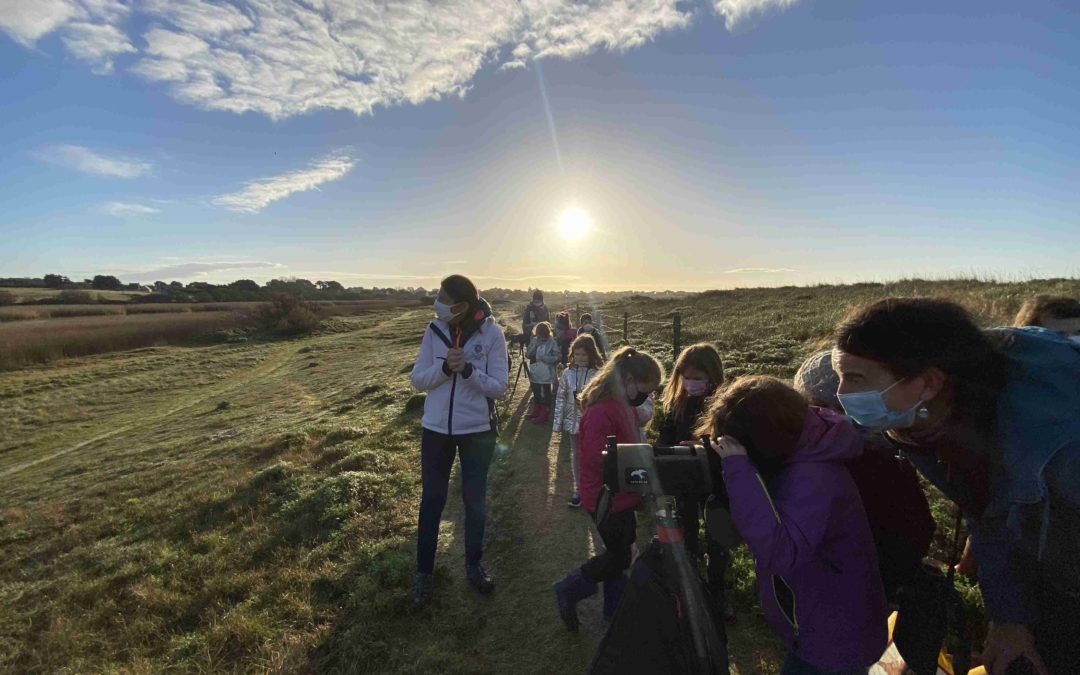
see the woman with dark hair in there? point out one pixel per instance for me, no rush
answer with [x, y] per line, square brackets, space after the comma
[463, 368]
[1053, 312]
[992, 418]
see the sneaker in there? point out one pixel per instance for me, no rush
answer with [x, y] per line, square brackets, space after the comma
[423, 590]
[575, 501]
[479, 579]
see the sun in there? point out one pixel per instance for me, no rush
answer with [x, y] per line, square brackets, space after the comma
[574, 224]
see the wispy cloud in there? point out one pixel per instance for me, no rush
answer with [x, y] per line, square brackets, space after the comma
[89, 161]
[735, 12]
[195, 269]
[97, 44]
[124, 209]
[759, 270]
[285, 57]
[258, 194]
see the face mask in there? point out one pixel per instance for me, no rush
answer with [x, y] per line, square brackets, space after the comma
[638, 398]
[867, 409]
[585, 328]
[444, 313]
[696, 387]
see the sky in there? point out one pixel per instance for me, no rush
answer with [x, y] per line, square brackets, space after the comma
[635, 144]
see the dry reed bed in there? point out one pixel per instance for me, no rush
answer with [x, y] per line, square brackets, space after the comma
[34, 312]
[24, 343]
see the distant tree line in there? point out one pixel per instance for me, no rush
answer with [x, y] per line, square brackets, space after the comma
[242, 290]
[246, 290]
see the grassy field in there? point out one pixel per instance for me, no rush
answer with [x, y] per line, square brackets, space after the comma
[30, 295]
[251, 507]
[30, 312]
[44, 333]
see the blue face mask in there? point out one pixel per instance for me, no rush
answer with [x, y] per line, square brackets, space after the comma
[867, 409]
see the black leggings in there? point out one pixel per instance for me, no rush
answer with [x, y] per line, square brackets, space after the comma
[542, 394]
[618, 532]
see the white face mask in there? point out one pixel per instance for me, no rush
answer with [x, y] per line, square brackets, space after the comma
[444, 312]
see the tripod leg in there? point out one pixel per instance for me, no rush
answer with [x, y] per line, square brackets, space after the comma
[513, 390]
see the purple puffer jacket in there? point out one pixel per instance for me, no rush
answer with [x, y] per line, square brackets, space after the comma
[817, 569]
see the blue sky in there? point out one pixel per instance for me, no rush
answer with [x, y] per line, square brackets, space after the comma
[709, 145]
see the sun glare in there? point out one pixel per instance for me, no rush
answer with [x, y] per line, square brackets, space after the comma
[574, 224]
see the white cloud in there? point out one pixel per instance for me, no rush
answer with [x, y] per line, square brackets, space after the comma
[287, 57]
[759, 270]
[258, 194]
[96, 44]
[125, 209]
[88, 161]
[89, 28]
[736, 11]
[195, 269]
[27, 20]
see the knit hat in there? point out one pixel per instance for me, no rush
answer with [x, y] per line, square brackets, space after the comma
[817, 381]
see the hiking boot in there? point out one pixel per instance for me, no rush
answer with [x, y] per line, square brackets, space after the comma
[423, 590]
[479, 579]
[613, 593]
[569, 591]
[575, 501]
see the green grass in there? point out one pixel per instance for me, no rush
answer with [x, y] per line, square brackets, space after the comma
[147, 526]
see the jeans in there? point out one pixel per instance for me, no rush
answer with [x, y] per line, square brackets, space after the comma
[437, 453]
[576, 463]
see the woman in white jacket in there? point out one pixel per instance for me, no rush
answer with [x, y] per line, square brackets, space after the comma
[585, 362]
[545, 350]
[462, 366]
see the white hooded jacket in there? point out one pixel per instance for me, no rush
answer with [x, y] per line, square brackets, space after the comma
[458, 403]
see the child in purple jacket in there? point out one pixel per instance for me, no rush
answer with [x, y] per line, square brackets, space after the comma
[797, 507]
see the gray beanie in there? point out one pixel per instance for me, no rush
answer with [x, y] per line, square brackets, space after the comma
[817, 381]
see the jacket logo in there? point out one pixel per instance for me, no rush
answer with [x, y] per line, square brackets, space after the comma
[637, 477]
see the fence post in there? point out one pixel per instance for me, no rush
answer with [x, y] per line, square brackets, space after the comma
[676, 335]
[626, 327]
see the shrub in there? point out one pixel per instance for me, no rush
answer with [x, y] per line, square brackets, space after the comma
[7, 298]
[73, 298]
[288, 315]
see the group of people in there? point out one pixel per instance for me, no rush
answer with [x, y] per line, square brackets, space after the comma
[820, 476]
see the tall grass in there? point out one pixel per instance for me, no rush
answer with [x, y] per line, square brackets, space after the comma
[24, 343]
[31, 312]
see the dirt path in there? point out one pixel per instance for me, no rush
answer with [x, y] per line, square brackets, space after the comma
[533, 538]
